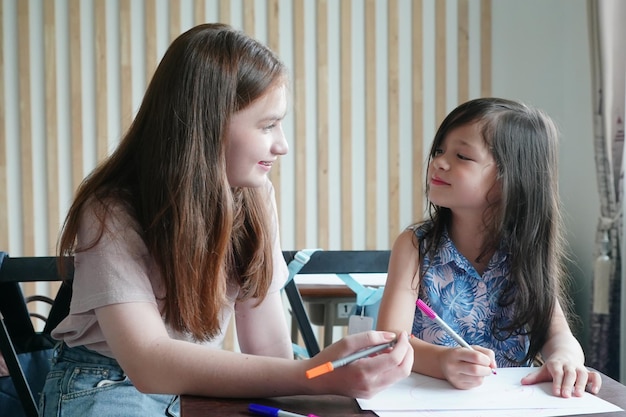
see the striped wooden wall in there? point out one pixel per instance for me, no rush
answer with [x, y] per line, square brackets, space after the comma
[371, 81]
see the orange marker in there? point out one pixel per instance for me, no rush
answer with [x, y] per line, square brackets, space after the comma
[330, 366]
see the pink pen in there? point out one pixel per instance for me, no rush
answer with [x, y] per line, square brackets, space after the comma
[433, 316]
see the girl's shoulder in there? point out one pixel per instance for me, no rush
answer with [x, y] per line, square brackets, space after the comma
[421, 230]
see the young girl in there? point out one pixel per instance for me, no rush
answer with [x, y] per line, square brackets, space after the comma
[175, 232]
[489, 259]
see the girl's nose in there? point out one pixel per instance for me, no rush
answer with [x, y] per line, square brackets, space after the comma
[280, 145]
[440, 162]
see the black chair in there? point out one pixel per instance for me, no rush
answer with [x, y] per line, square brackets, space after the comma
[17, 332]
[18, 335]
[329, 262]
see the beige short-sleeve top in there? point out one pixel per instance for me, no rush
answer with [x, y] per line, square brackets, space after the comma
[120, 270]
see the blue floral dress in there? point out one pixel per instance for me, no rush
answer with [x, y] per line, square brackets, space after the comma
[466, 301]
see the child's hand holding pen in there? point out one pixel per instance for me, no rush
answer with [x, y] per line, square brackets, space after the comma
[463, 367]
[466, 368]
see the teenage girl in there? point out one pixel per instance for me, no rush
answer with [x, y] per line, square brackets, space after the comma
[175, 234]
[489, 259]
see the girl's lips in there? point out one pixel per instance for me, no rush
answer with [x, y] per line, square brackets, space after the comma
[265, 165]
[437, 181]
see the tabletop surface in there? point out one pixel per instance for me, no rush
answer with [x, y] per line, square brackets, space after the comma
[331, 405]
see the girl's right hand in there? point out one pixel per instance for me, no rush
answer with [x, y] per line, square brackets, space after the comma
[367, 376]
[465, 368]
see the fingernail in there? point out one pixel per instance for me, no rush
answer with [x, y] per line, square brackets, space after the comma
[389, 336]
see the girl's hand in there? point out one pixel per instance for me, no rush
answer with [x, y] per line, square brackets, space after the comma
[367, 376]
[465, 368]
[567, 378]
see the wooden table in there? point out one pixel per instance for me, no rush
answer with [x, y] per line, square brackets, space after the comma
[331, 406]
[325, 305]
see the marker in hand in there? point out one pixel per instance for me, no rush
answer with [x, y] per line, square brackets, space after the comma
[433, 316]
[329, 366]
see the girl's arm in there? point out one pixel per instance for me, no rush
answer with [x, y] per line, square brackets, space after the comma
[155, 363]
[254, 334]
[462, 367]
[397, 306]
[564, 362]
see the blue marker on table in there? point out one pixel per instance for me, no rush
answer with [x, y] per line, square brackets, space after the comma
[265, 410]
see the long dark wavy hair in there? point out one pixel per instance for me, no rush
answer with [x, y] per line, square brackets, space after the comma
[525, 221]
[169, 173]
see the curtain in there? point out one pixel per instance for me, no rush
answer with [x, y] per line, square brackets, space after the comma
[608, 57]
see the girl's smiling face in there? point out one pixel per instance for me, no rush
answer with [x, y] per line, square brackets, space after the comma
[462, 174]
[256, 139]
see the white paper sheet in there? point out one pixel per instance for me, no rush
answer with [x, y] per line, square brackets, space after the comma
[547, 412]
[500, 394]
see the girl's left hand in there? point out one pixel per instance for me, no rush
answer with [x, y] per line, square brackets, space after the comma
[567, 379]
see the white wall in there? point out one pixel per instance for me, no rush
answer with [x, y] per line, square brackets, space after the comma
[541, 56]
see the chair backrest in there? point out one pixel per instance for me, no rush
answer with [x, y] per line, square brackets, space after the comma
[330, 262]
[17, 333]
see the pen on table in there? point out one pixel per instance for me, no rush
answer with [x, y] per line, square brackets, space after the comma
[265, 410]
[329, 366]
[433, 316]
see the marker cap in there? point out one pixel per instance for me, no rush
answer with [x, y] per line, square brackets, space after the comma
[319, 370]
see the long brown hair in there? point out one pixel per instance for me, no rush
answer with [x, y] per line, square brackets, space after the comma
[169, 173]
[526, 220]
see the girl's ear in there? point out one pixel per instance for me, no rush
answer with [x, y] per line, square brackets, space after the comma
[495, 193]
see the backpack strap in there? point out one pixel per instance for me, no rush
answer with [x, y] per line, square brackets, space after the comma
[365, 296]
[299, 260]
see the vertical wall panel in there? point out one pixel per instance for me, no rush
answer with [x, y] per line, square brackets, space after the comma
[440, 61]
[102, 131]
[199, 12]
[393, 127]
[417, 93]
[345, 126]
[26, 140]
[76, 112]
[225, 11]
[150, 41]
[485, 50]
[370, 125]
[51, 128]
[463, 50]
[248, 17]
[299, 115]
[322, 124]
[348, 121]
[52, 139]
[273, 33]
[126, 106]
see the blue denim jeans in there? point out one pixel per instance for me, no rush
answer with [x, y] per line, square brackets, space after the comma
[84, 383]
